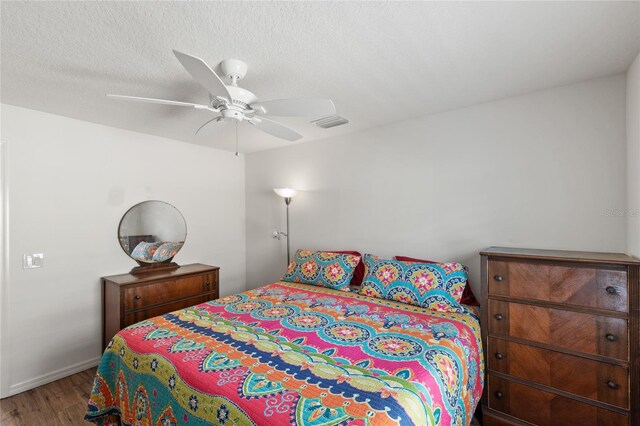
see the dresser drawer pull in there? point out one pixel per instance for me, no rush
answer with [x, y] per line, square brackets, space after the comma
[137, 297]
[611, 290]
[497, 277]
[612, 384]
[498, 317]
[498, 395]
[499, 355]
[611, 337]
[207, 284]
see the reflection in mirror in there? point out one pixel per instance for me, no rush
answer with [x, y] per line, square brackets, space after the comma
[152, 233]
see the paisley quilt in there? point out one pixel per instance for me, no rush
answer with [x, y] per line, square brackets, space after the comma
[293, 354]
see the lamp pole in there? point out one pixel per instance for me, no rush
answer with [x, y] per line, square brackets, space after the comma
[287, 200]
[287, 194]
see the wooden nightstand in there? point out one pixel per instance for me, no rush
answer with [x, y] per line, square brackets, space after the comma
[127, 298]
[561, 336]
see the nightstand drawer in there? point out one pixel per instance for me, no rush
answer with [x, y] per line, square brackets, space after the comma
[602, 288]
[576, 331]
[545, 408]
[591, 379]
[167, 291]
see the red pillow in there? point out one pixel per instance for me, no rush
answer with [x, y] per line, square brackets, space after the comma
[358, 274]
[467, 295]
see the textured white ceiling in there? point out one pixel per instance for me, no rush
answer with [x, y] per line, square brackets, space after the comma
[379, 62]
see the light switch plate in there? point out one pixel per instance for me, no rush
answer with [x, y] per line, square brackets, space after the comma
[30, 261]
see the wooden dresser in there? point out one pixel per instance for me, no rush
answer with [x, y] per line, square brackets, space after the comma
[561, 336]
[128, 298]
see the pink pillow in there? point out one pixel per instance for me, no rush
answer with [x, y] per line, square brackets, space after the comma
[467, 295]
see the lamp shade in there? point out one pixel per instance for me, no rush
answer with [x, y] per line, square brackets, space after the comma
[285, 192]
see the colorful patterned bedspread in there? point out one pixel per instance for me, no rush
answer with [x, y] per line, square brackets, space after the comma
[293, 354]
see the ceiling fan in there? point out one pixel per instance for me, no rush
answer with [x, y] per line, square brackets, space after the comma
[235, 104]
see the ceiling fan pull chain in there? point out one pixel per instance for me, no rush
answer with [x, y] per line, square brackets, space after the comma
[236, 138]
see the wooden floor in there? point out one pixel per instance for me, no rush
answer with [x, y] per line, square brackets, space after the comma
[63, 402]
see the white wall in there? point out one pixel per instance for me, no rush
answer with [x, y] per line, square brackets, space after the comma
[70, 182]
[633, 158]
[540, 170]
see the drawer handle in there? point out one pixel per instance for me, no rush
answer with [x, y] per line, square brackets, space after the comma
[137, 297]
[497, 277]
[611, 290]
[498, 317]
[207, 283]
[612, 384]
[499, 355]
[498, 395]
[611, 338]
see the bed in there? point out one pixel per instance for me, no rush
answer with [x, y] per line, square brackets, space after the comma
[290, 353]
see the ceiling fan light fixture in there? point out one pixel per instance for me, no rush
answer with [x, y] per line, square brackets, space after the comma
[232, 114]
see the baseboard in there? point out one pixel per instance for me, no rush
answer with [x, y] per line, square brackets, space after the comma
[52, 376]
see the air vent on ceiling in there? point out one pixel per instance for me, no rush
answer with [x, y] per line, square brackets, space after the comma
[332, 121]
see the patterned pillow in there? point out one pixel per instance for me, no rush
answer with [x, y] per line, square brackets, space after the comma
[322, 268]
[145, 251]
[468, 298]
[437, 286]
[166, 251]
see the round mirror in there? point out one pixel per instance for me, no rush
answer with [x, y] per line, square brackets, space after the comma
[152, 233]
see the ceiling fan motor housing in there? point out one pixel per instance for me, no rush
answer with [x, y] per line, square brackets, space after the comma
[241, 96]
[238, 105]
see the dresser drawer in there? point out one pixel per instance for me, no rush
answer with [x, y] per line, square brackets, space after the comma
[491, 419]
[603, 288]
[157, 293]
[140, 315]
[545, 408]
[576, 331]
[584, 377]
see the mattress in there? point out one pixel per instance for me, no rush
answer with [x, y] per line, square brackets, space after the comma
[293, 354]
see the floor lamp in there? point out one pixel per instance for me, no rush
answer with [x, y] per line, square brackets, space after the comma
[287, 194]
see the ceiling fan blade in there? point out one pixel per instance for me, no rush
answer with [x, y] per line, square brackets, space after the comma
[217, 122]
[160, 101]
[302, 107]
[274, 128]
[204, 75]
